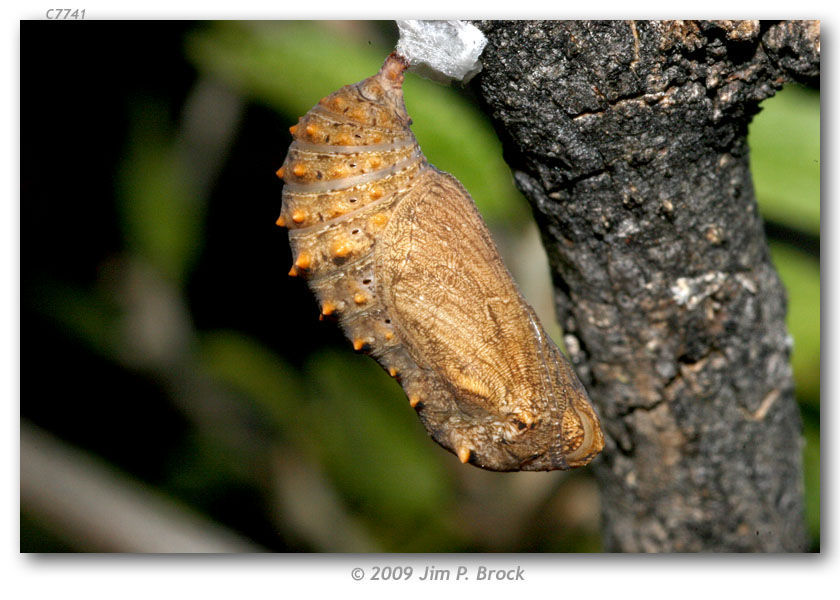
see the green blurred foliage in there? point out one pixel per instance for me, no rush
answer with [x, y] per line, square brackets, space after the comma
[372, 449]
[811, 457]
[161, 215]
[785, 155]
[274, 386]
[87, 315]
[366, 437]
[800, 273]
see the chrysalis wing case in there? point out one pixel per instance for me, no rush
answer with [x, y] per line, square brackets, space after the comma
[397, 251]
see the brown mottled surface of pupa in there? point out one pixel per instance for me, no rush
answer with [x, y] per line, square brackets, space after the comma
[397, 251]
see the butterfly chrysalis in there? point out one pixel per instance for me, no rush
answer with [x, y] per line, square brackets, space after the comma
[397, 252]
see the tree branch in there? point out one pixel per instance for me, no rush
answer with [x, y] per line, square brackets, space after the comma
[629, 140]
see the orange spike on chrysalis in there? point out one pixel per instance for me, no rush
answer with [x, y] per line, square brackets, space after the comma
[304, 261]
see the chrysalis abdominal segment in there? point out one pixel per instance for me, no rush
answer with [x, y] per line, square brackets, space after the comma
[397, 251]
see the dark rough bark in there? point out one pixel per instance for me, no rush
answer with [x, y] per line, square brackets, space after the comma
[629, 140]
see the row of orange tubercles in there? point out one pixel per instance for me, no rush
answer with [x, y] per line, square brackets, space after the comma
[367, 334]
[368, 123]
[318, 207]
[368, 114]
[314, 166]
[319, 129]
[302, 218]
[305, 262]
[322, 248]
